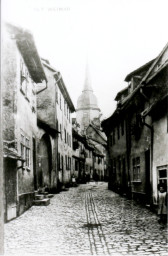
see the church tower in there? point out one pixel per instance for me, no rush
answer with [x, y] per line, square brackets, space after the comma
[87, 108]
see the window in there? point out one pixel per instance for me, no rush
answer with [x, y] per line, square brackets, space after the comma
[113, 136]
[24, 79]
[56, 94]
[119, 166]
[76, 165]
[69, 163]
[70, 140]
[136, 168]
[118, 131]
[122, 127]
[67, 111]
[60, 131]
[66, 162]
[65, 135]
[60, 102]
[57, 124]
[90, 154]
[25, 150]
[162, 174]
[111, 139]
[58, 162]
[64, 107]
[62, 162]
[67, 138]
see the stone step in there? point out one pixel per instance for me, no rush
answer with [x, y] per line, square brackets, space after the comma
[43, 202]
[35, 192]
[39, 197]
[45, 193]
[50, 195]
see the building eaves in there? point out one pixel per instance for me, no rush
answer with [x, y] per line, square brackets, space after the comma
[154, 105]
[120, 93]
[140, 69]
[26, 45]
[78, 135]
[12, 154]
[60, 83]
[52, 131]
[48, 66]
[97, 152]
[147, 76]
[93, 139]
[100, 133]
[64, 91]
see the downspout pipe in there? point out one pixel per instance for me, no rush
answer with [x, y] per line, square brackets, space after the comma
[151, 167]
[142, 93]
[44, 88]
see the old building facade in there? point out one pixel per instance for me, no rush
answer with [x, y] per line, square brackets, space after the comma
[88, 113]
[47, 132]
[137, 162]
[54, 109]
[21, 72]
[64, 108]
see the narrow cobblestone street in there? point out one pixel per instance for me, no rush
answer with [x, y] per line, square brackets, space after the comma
[87, 220]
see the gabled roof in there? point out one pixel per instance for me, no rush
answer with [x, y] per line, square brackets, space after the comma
[26, 45]
[149, 74]
[97, 152]
[60, 83]
[123, 91]
[100, 133]
[139, 70]
[83, 139]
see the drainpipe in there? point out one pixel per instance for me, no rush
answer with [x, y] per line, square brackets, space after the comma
[44, 88]
[152, 133]
[151, 166]
[56, 139]
[57, 73]
[142, 93]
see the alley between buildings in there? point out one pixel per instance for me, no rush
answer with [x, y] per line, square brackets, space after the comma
[86, 220]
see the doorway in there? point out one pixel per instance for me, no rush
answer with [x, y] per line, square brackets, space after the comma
[34, 164]
[45, 158]
[10, 165]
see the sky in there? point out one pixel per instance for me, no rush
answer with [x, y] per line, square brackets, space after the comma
[115, 37]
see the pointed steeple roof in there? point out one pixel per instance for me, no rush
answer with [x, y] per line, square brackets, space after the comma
[87, 100]
[87, 83]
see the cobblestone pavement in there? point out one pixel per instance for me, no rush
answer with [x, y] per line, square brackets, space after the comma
[87, 220]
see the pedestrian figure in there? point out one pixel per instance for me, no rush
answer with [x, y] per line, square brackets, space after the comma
[73, 180]
[162, 203]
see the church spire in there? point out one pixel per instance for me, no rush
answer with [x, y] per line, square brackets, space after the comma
[87, 83]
